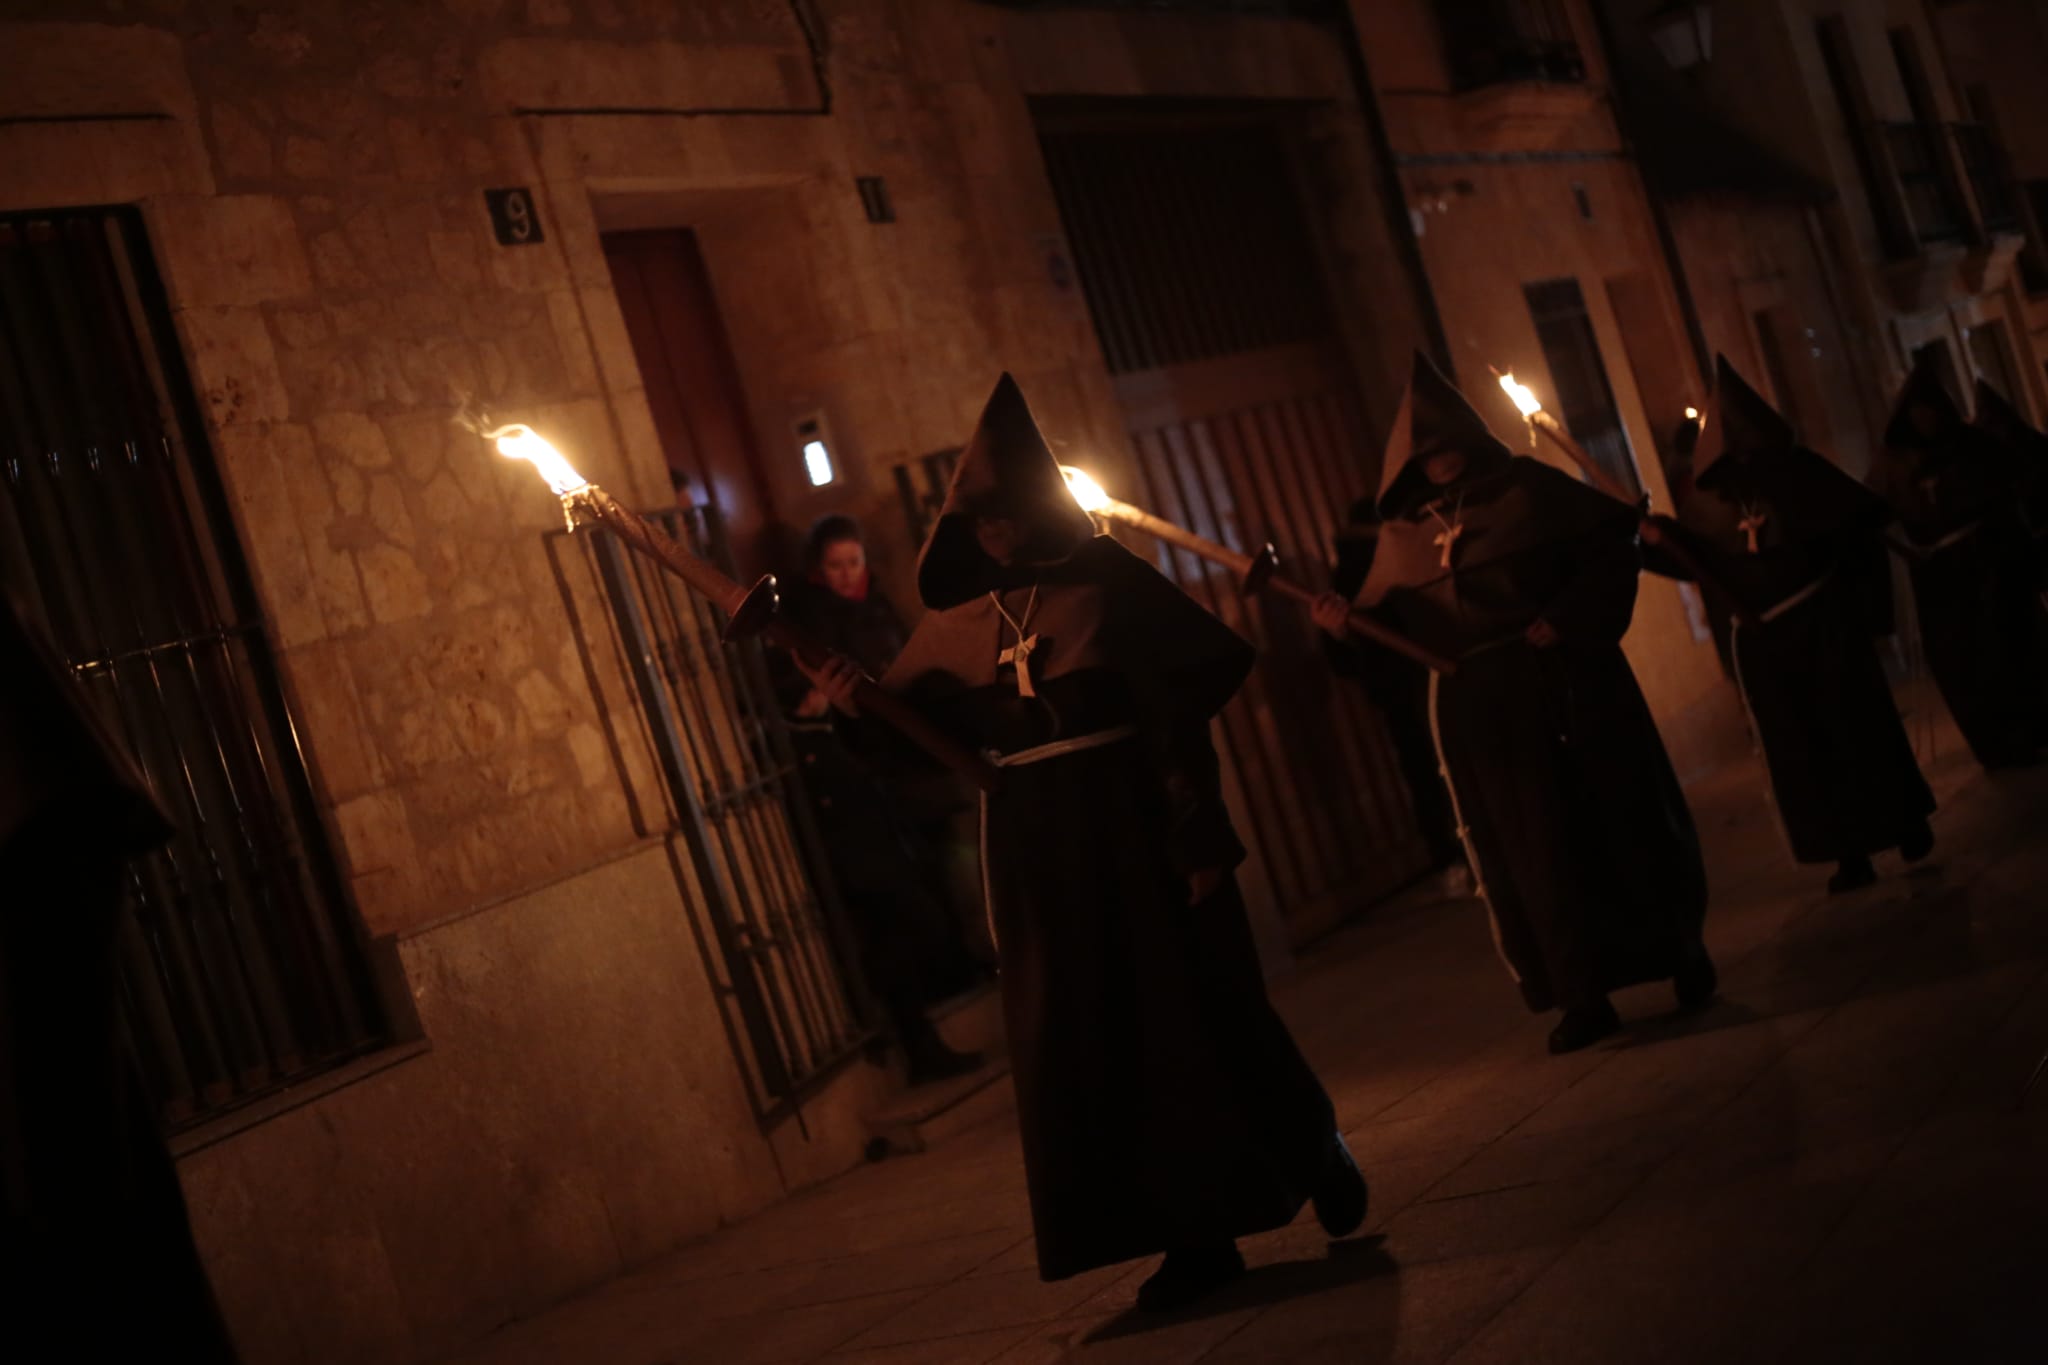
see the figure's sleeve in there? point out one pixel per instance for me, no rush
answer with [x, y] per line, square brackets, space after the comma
[1183, 666]
[1662, 560]
[1599, 599]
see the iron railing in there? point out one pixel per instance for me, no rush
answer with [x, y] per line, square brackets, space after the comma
[753, 862]
[1495, 42]
[1983, 160]
[243, 969]
[1934, 207]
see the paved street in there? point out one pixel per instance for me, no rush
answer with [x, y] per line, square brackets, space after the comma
[1831, 1165]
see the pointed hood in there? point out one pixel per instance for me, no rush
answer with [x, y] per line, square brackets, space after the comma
[1006, 470]
[1739, 424]
[1923, 389]
[1434, 416]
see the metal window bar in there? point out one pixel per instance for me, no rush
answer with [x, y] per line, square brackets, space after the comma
[1998, 208]
[761, 879]
[1495, 42]
[243, 969]
[1932, 202]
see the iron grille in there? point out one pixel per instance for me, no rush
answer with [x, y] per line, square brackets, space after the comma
[737, 811]
[243, 969]
[1932, 203]
[1494, 42]
[1176, 243]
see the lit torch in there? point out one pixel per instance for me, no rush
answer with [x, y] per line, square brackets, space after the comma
[1253, 572]
[749, 611]
[1539, 420]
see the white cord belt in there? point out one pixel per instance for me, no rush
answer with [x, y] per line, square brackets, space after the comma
[1060, 747]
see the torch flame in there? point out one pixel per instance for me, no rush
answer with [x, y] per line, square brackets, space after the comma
[1525, 400]
[521, 442]
[1086, 491]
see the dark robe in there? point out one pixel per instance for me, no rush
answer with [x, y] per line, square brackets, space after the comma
[911, 949]
[1399, 688]
[1160, 1100]
[2027, 449]
[1973, 570]
[98, 1252]
[1817, 590]
[1578, 833]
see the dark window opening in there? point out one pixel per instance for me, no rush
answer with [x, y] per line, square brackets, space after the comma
[1177, 243]
[1934, 202]
[242, 968]
[1845, 81]
[1585, 399]
[1494, 42]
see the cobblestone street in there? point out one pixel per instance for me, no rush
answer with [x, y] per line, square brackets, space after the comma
[1832, 1164]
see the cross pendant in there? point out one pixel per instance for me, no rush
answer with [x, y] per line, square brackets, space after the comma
[1750, 524]
[1020, 655]
[1447, 538]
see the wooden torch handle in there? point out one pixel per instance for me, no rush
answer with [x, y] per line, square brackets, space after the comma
[743, 606]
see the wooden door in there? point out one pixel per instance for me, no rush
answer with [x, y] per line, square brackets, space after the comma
[692, 384]
[1201, 274]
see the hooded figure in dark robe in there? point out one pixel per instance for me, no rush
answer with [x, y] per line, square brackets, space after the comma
[98, 1252]
[1578, 834]
[1163, 1106]
[1399, 688]
[1798, 545]
[2027, 450]
[1955, 492]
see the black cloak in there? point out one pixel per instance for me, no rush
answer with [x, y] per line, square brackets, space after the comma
[2027, 448]
[1578, 834]
[1816, 585]
[1160, 1100]
[1973, 570]
[1399, 687]
[98, 1252]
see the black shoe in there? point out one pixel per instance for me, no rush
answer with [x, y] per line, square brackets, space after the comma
[1583, 1027]
[1853, 875]
[1918, 842]
[1185, 1276]
[1340, 1196]
[1697, 981]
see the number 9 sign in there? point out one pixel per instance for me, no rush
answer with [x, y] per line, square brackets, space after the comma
[513, 216]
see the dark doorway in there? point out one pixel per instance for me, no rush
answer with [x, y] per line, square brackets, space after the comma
[1585, 399]
[700, 410]
[1941, 357]
[1202, 273]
